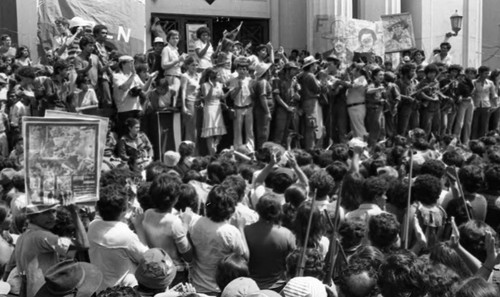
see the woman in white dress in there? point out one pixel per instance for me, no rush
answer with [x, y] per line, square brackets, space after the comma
[190, 89]
[213, 122]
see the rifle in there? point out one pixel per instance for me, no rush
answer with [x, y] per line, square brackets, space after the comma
[302, 259]
[334, 243]
[408, 204]
[461, 193]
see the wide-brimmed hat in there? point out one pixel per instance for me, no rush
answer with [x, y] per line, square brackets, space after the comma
[332, 57]
[32, 209]
[69, 278]
[309, 61]
[156, 270]
[291, 65]
[261, 69]
[125, 58]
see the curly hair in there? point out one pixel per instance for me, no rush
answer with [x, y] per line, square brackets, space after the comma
[493, 154]
[453, 158]
[269, 208]
[303, 158]
[216, 173]
[221, 202]
[201, 31]
[426, 189]
[314, 263]
[471, 178]
[373, 255]
[359, 278]
[373, 187]
[433, 167]
[351, 232]
[113, 201]
[86, 40]
[492, 176]
[477, 147]
[472, 237]
[337, 170]
[340, 152]
[443, 253]
[398, 276]
[439, 280]
[238, 184]
[322, 183]
[397, 193]
[164, 191]
[383, 231]
[59, 66]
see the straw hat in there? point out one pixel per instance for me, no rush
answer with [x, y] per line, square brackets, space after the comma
[261, 69]
[309, 61]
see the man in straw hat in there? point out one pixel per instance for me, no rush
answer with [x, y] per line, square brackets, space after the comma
[71, 279]
[38, 249]
[264, 103]
[310, 91]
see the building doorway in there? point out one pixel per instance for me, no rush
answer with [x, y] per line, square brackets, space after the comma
[253, 30]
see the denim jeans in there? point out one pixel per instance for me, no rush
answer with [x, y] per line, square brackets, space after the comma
[408, 118]
[243, 117]
[463, 121]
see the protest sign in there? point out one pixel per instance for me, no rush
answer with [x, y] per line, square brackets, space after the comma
[343, 37]
[61, 160]
[398, 32]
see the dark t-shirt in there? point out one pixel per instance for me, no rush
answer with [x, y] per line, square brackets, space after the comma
[269, 246]
[260, 88]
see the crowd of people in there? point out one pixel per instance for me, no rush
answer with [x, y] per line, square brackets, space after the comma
[296, 176]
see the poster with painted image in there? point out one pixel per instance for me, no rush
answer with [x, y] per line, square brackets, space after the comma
[398, 32]
[343, 37]
[61, 160]
[191, 36]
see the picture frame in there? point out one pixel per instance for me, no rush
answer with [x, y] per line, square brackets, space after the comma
[398, 32]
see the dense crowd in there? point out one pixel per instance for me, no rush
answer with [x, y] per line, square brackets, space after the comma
[297, 175]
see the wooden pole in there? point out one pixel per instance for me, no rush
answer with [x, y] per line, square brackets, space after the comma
[302, 258]
[408, 203]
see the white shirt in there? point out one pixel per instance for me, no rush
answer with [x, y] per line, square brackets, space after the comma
[205, 61]
[364, 212]
[124, 102]
[116, 251]
[447, 60]
[168, 55]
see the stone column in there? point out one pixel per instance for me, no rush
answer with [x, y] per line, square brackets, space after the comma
[372, 9]
[472, 30]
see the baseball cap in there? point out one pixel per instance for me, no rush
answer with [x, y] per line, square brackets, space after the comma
[240, 287]
[158, 40]
[156, 269]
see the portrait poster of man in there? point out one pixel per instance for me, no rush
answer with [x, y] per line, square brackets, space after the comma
[61, 160]
[344, 37]
[398, 32]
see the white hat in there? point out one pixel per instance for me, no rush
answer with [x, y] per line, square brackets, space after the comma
[261, 68]
[171, 158]
[4, 288]
[308, 61]
[158, 40]
[125, 58]
[80, 22]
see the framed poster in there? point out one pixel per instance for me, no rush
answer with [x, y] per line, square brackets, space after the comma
[61, 160]
[191, 36]
[398, 32]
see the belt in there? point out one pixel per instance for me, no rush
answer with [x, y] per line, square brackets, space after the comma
[171, 75]
[355, 104]
[243, 107]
